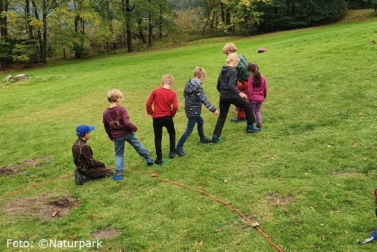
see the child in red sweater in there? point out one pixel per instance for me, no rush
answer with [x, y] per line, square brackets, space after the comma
[165, 105]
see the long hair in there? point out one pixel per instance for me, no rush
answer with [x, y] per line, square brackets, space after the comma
[253, 68]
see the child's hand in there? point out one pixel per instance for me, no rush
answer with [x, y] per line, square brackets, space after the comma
[216, 112]
[243, 96]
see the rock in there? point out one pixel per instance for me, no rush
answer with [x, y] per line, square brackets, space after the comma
[20, 77]
[8, 78]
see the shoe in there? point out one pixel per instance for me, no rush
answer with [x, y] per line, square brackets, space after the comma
[259, 126]
[179, 152]
[158, 161]
[206, 140]
[79, 178]
[252, 129]
[237, 119]
[149, 161]
[117, 177]
[171, 154]
[215, 139]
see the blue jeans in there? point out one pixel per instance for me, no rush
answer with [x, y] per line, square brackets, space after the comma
[119, 149]
[190, 127]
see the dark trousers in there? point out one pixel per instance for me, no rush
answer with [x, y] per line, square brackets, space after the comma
[224, 105]
[158, 124]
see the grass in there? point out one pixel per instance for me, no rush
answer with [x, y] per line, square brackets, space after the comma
[308, 178]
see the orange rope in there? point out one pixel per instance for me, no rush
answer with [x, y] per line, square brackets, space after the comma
[156, 175]
[35, 185]
[252, 223]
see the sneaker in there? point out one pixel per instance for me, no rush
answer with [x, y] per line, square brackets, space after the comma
[215, 139]
[79, 178]
[206, 140]
[237, 119]
[158, 161]
[171, 154]
[149, 161]
[179, 152]
[259, 126]
[252, 129]
[117, 177]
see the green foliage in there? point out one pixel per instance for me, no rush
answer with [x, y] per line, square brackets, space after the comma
[23, 51]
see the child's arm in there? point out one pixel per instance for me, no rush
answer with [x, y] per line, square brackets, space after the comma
[107, 128]
[87, 153]
[202, 97]
[175, 105]
[149, 104]
[265, 88]
[126, 121]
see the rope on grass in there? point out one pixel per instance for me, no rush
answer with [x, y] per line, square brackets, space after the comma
[254, 224]
[35, 185]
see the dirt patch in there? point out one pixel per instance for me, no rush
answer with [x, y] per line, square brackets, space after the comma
[278, 201]
[106, 233]
[19, 168]
[43, 206]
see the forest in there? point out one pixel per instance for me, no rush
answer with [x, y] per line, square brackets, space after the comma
[32, 31]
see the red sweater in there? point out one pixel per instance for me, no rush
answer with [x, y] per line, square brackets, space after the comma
[164, 102]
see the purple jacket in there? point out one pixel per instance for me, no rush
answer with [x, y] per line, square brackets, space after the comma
[257, 94]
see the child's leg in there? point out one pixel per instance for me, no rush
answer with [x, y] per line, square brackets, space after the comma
[132, 139]
[224, 105]
[248, 112]
[189, 128]
[119, 154]
[200, 127]
[169, 124]
[258, 114]
[158, 123]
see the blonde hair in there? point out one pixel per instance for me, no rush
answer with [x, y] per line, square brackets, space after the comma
[114, 95]
[229, 48]
[167, 79]
[199, 72]
[232, 58]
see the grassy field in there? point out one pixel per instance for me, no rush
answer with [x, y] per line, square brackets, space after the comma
[307, 179]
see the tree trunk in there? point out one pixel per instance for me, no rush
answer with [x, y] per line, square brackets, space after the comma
[150, 28]
[44, 35]
[160, 23]
[3, 19]
[128, 27]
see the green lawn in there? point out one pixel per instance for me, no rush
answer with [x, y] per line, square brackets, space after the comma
[307, 179]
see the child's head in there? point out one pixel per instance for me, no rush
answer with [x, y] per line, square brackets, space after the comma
[167, 79]
[82, 130]
[114, 95]
[229, 48]
[253, 69]
[199, 73]
[232, 60]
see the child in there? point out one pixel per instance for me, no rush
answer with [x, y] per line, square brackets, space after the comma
[257, 92]
[194, 97]
[86, 167]
[119, 129]
[165, 105]
[229, 94]
[242, 78]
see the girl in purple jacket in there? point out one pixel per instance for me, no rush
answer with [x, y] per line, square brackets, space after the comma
[257, 91]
